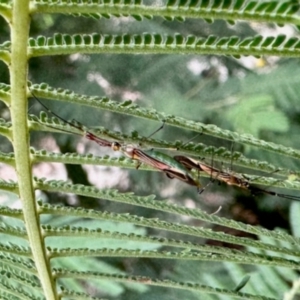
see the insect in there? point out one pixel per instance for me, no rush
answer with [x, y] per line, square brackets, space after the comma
[229, 178]
[155, 159]
[162, 162]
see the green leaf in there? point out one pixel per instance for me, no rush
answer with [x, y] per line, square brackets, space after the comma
[257, 113]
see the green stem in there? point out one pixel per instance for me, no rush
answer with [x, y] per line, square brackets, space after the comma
[18, 72]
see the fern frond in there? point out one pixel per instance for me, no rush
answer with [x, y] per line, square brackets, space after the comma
[277, 12]
[123, 162]
[74, 158]
[9, 261]
[11, 212]
[22, 278]
[40, 249]
[44, 90]
[5, 92]
[99, 233]
[188, 246]
[5, 10]
[63, 44]
[53, 186]
[5, 129]
[12, 230]
[9, 186]
[184, 255]
[154, 223]
[5, 53]
[7, 158]
[60, 273]
[200, 150]
[12, 291]
[190, 230]
[15, 249]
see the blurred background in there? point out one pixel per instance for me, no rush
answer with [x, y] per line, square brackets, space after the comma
[251, 95]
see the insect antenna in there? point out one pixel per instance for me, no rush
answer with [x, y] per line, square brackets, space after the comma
[72, 124]
[86, 133]
[256, 190]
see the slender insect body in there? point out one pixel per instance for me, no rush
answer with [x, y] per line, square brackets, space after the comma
[99, 141]
[162, 162]
[157, 160]
[229, 178]
[234, 179]
[178, 167]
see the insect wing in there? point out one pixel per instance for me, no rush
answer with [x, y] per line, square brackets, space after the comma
[183, 177]
[149, 160]
[187, 162]
[190, 163]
